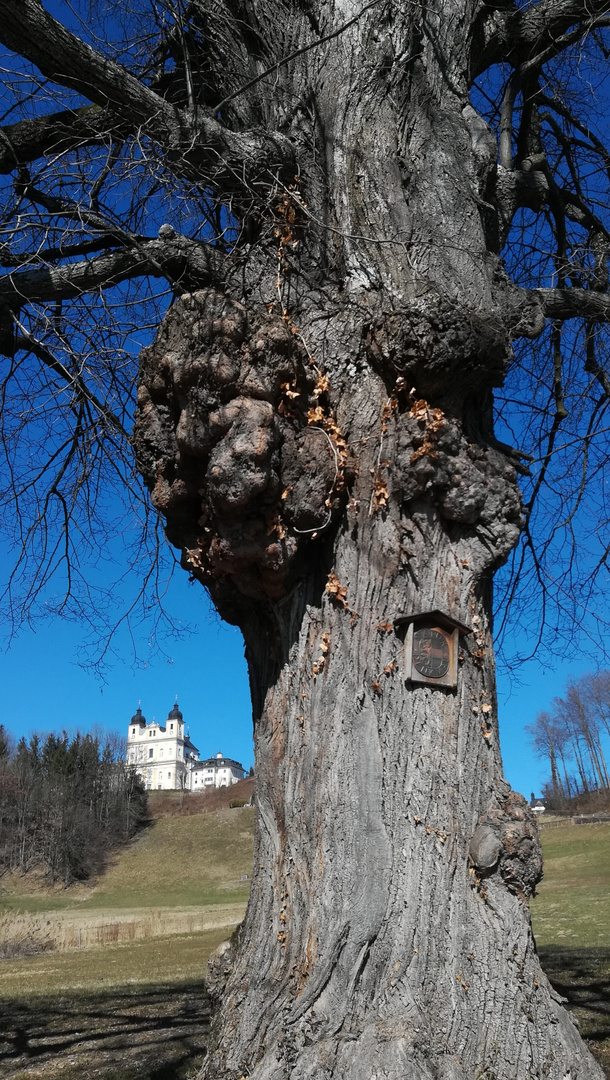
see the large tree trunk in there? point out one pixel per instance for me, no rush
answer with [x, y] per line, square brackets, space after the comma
[321, 446]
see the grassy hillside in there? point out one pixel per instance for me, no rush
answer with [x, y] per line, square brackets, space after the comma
[134, 1009]
[573, 905]
[182, 861]
[177, 861]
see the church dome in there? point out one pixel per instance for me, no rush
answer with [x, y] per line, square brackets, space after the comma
[175, 714]
[138, 718]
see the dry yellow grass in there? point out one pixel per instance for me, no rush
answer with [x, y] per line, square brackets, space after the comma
[24, 934]
[183, 862]
[134, 1007]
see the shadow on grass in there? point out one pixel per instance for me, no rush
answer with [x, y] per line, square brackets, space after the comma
[583, 977]
[140, 1033]
[159, 1032]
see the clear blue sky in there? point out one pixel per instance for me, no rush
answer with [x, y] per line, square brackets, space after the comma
[45, 689]
[520, 696]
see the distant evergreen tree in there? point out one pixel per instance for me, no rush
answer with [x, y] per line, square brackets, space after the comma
[64, 804]
[7, 798]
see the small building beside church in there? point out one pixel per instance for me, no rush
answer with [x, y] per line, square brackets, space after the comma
[216, 771]
[166, 759]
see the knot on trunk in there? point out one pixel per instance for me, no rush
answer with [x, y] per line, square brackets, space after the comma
[236, 442]
[470, 485]
[484, 848]
[508, 843]
[440, 348]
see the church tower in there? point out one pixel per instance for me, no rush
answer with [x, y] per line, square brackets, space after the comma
[161, 754]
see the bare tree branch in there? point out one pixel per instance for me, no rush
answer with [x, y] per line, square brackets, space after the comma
[541, 27]
[185, 263]
[535, 34]
[197, 146]
[73, 379]
[575, 304]
[32, 138]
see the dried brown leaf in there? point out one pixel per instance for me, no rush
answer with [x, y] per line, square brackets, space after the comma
[336, 590]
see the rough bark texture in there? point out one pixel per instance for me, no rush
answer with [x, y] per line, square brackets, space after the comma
[321, 447]
[388, 931]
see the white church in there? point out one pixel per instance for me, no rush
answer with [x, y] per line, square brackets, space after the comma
[167, 760]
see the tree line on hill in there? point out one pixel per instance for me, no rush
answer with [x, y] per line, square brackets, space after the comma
[65, 803]
[570, 738]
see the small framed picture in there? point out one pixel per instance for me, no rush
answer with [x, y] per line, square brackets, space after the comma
[431, 648]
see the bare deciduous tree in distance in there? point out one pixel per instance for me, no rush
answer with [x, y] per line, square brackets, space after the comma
[573, 732]
[315, 425]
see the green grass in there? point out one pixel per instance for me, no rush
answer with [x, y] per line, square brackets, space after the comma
[571, 919]
[124, 1012]
[134, 1011]
[33, 903]
[573, 905]
[182, 862]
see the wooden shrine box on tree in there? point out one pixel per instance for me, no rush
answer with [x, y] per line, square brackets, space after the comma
[431, 648]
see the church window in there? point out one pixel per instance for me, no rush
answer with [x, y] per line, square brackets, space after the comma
[150, 752]
[169, 775]
[171, 727]
[133, 731]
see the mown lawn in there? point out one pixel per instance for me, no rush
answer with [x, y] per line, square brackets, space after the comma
[124, 1012]
[571, 918]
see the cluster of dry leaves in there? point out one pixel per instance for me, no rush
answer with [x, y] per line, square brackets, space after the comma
[478, 654]
[433, 421]
[321, 661]
[338, 594]
[484, 709]
[287, 212]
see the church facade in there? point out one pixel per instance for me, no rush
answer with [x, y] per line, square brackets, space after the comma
[167, 760]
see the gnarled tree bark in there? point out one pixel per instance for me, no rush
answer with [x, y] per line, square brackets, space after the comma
[321, 447]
